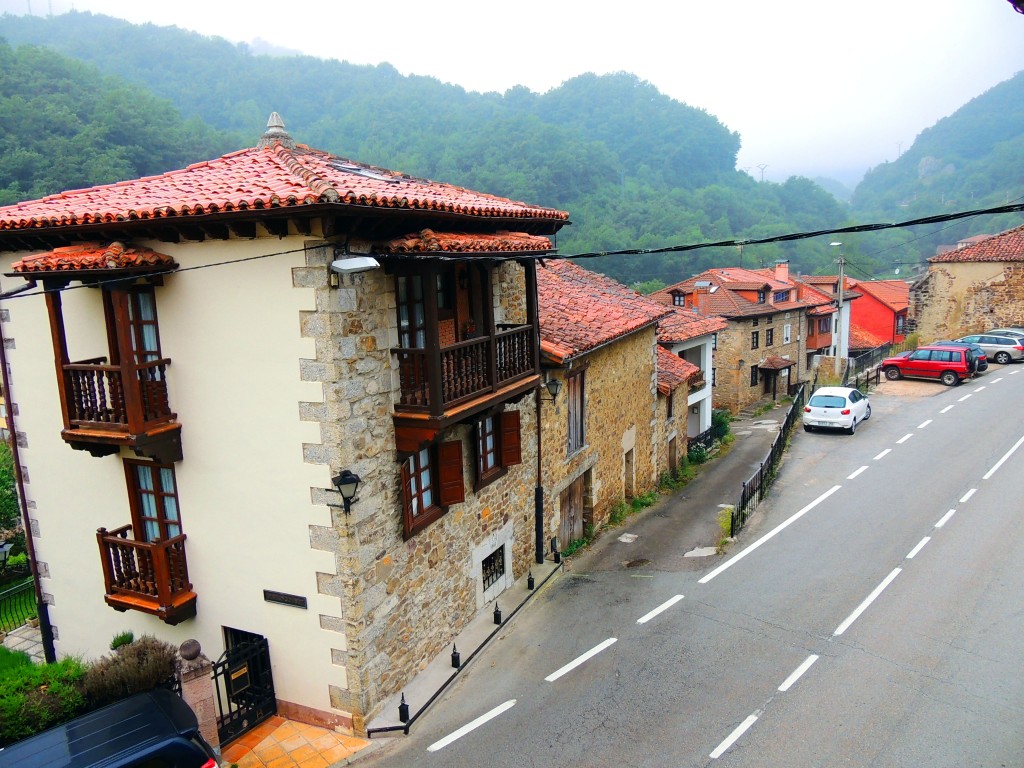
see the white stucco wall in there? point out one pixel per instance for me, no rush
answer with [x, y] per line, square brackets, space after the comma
[233, 335]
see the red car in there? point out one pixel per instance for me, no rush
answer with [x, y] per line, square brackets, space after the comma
[950, 365]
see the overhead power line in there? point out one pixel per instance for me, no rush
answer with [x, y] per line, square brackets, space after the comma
[1013, 208]
[22, 292]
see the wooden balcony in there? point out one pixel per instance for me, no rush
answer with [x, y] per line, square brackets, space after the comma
[151, 577]
[107, 406]
[444, 385]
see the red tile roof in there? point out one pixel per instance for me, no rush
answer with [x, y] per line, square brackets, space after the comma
[1006, 246]
[722, 297]
[94, 257]
[276, 176]
[673, 371]
[685, 324]
[775, 363]
[861, 338]
[429, 241]
[581, 310]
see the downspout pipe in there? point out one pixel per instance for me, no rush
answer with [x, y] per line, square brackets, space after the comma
[49, 652]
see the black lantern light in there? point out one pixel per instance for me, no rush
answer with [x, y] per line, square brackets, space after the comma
[347, 484]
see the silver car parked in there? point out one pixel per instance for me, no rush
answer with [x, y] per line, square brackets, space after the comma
[999, 348]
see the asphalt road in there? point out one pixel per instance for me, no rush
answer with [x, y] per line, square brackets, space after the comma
[869, 615]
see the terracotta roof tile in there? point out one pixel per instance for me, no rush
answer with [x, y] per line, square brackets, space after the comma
[1006, 246]
[429, 241]
[90, 257]
[775, 363]
[581, 310]
[673, 371]
[685, 324]
[261, 178]
[861, 338]
[723, 298]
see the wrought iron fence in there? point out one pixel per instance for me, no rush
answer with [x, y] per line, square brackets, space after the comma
[705, 440]
[17, 605]
[756, 488]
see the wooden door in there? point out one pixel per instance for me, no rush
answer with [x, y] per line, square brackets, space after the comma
[571, 505]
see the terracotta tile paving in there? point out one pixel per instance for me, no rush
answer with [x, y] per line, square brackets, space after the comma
[280, 743]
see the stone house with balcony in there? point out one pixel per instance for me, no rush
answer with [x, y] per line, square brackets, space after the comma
[974, 287]
[227, 341]
[600, 435]
[762, 353]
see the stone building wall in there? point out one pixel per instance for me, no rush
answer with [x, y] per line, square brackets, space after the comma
[957, 298]
[734, 356]
[400, 603]
[620, 393]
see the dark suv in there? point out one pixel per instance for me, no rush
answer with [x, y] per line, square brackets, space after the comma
[148, 730]
[950, 365]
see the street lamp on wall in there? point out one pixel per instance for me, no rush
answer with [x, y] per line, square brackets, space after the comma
[347, 484]
[553, 386]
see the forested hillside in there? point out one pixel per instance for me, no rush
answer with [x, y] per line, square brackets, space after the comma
[972, 159]
[635, 168]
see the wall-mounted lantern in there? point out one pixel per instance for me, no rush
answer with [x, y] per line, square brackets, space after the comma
[347, 484]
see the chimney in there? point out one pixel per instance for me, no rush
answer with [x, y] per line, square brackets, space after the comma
[782, 271]
[275, 134]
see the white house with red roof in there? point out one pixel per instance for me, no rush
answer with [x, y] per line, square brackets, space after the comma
[973, 288]
[690, 336]
[200, 364]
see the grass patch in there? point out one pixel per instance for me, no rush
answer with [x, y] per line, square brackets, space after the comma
[12, 660]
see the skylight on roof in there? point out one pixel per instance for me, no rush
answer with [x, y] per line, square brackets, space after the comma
[360, 170]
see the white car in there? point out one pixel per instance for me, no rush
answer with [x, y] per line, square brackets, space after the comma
[836, 408]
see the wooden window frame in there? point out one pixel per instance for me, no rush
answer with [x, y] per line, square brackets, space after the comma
[506, 446]
[755, 339]
[671, 397]
[575, 386]
[160, 495]
[754, 377]
[769, 337]
[443, 469]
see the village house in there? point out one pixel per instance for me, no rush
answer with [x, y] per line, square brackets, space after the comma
[674, 377]
[977, 286]
[689, 335]
[284, 403]
[600, 435]
[762, 353]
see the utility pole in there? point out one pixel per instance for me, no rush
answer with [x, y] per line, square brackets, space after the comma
[762, 166]
[839, 312]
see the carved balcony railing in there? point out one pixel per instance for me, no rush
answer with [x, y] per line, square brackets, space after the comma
[146, 576]
[464, 370]
[129, 398]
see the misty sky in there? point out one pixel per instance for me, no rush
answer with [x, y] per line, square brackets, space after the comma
[814, 87]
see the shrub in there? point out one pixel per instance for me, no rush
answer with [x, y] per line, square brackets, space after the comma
[36, 697]
[141, 665]
[697, 454]
[122, 638]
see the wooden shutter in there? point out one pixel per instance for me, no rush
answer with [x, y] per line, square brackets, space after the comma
[406, 500]
[511, 440]
[451, 488]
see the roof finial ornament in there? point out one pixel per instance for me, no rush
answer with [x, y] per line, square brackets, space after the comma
[276, 134]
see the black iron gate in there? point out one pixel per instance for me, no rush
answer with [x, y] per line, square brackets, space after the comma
[244, 685]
